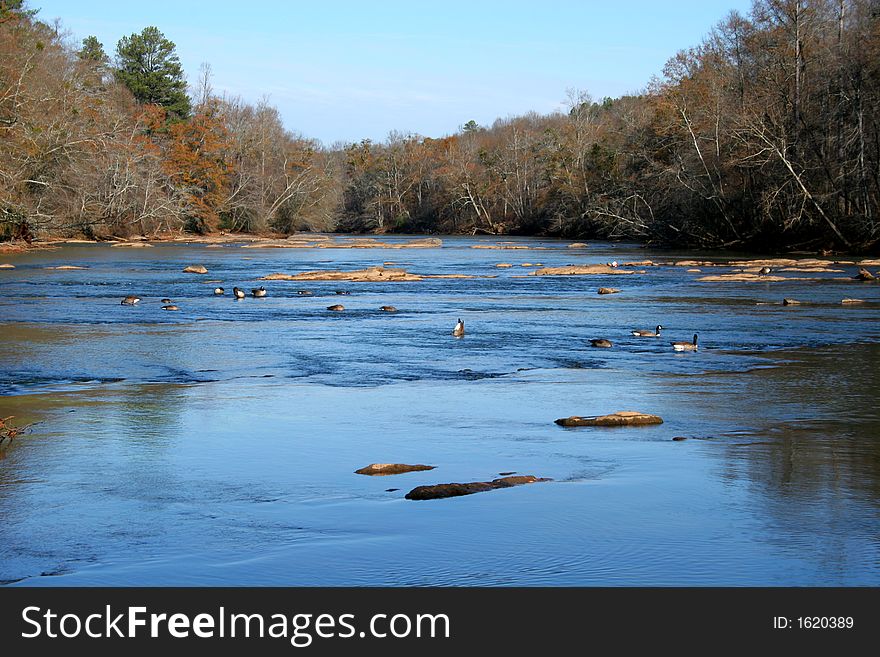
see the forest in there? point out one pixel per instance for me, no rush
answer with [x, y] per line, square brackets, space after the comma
[764, 137]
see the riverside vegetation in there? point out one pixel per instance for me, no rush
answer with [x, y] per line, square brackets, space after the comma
[764, 136]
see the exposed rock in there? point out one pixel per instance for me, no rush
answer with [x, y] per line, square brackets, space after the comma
[679, 438]
[501, 247]
[848, 300]
[620, 419]
[641, 263]
[695, 263]
[384, 469]
[790, 302]
[503, 265]
[694, 271]
[504, 474]
[864, 275]
[608, 290]
[66, 267]
[813, 270]
[6, 265]
[578, 245]
[370, 243]
[746, 278]
[338, 307]
[867, 263]
[440, 491]
[601, 343]
[195, 269]
[131, 245]
[580, 270]
[369, 275]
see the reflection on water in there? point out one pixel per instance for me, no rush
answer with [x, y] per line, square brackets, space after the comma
[217, 445]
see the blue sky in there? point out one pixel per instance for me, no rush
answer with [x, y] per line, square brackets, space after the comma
[347, 70]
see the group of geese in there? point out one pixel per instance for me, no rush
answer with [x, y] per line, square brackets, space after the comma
[457, 331]
[647, 333]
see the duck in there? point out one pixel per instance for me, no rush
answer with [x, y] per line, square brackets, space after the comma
[170, 307]
[643, 333]
[338, 307]
[458, 331]
[219, 291]
[601, 342]
[130, 300]
[342, 292]
[166, 300]
[388, 309]
[304, 293]
[259, 292]
[764, 271]
[685, 346]
[237, 293]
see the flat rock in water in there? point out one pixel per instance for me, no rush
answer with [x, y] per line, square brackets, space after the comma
[577, 245]
[131, 245]
[848, 300]
[66, 267]
[384, 469]
[790, 302]
[620, 419]
[6, 265]
[440, 491]
[369, 275]
[195, 269]
[608, 290]
[581, 270]
[746, 278]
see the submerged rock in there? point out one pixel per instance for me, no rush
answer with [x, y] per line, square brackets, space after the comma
[384, 469]
[608, 290]
[337, 307]
[619, 419]
[790, 302]
[195, 269]
[440, 491]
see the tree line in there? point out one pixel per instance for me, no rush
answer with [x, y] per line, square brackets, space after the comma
[764, 136]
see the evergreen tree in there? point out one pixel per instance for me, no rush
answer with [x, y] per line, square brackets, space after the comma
[148, 65]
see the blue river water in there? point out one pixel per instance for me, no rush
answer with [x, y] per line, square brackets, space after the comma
[217, 445]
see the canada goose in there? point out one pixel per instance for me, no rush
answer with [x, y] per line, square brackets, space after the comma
[336, 307]
[171, 307]
[643, 333]
[237, 293]
[458, 331]
[130, 300]
[219, 291]
[601, 342]
[764, 271]
[166, 300]
[685, 346]
[259, 292]
[342, 292]
[304, 293]
[388, 309]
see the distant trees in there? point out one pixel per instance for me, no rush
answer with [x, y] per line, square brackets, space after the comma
[766, 135]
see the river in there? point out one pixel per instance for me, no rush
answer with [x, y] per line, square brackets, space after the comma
[217, 445]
